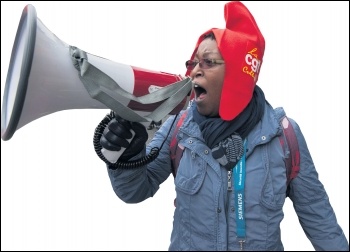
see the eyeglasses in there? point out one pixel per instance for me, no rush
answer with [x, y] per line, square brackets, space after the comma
[203, 63]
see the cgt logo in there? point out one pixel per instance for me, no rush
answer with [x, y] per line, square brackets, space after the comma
[251, 59]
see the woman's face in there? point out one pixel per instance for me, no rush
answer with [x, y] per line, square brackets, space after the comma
[208, 81]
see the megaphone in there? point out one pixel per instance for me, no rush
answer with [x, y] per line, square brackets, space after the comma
[46, 75]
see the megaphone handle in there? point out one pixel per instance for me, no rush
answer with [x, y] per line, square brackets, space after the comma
[113, 156]
[123, 165]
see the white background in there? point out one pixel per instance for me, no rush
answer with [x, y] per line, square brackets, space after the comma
[55, 192]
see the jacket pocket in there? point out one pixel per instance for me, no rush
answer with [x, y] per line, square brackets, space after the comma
[270, 198]
[273, 192]
[191, 173]
[195, 199]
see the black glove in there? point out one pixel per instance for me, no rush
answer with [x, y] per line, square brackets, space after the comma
[229, 151]
[123, 135]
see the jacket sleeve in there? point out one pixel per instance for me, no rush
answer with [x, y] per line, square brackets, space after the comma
[312, 205]
[137, 184]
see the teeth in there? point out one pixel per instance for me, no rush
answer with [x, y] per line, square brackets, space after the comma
[196, 85]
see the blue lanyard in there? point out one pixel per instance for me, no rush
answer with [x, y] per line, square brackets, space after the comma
[239, 176]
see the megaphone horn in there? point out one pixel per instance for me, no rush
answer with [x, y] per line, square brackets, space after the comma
[46, 75]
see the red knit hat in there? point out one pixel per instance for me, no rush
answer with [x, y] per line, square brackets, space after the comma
[242, 46]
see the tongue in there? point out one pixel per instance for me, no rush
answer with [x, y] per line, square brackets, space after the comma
[202, 95]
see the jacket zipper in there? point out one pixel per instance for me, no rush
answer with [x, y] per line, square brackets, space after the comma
[229, 180]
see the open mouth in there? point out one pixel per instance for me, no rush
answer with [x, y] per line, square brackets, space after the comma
[199, 91]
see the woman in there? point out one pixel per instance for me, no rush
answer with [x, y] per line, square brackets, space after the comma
[219, 207]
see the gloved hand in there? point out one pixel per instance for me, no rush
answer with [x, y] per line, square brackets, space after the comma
[122, 139]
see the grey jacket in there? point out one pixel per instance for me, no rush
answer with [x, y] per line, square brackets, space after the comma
[205, 214]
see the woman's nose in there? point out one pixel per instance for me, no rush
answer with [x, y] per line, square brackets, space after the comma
[196, 72]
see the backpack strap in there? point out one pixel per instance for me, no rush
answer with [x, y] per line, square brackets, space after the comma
[293, 161]
[175, 149]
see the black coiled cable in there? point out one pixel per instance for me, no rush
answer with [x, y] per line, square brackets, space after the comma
[154, 152]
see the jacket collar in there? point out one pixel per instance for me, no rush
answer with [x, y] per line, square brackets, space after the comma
[265, 130]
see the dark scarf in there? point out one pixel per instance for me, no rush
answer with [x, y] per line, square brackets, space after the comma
[215, 129]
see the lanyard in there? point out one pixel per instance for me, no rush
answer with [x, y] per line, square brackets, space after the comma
[239, 176]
